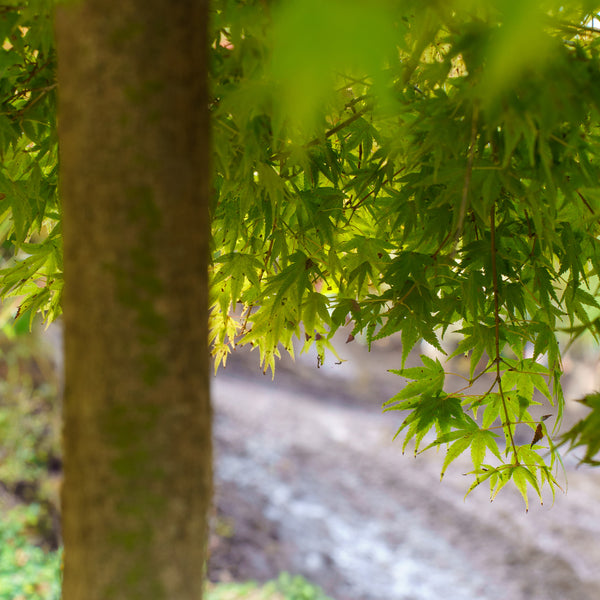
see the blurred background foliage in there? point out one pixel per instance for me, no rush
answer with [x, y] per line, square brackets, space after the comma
[30, 462]
[30, 473]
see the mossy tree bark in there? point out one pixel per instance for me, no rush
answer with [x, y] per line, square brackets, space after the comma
[133, 130]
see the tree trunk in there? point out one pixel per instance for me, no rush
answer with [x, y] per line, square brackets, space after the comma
[134, 147]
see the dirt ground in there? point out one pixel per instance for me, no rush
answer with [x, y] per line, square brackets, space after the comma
[309, 481]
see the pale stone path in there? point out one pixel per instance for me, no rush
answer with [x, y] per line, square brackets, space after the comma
[343, 507]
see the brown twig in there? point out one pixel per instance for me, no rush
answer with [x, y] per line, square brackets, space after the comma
[585, 202]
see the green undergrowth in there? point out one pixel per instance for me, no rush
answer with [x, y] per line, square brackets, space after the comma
[286, 587]
[30, 456]
[30, 465]
[27, 572]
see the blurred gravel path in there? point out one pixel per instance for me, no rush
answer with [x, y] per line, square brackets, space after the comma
[311, 483]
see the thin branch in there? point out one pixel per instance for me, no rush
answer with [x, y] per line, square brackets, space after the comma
[316, 141]
[572, 27]
[434, 257]
[366, 196]
[261, 275]
[20, 112]
[468, 173]
[497, 359]
[357, 115]
[473, 380]
[585, 202]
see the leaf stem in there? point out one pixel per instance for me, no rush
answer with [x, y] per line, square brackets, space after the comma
[497, 359]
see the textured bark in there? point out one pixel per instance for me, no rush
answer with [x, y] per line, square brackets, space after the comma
[133, 130]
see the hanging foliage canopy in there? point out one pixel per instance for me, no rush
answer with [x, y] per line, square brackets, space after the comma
[401, 166]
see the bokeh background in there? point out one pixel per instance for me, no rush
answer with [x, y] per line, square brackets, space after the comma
[312, 494]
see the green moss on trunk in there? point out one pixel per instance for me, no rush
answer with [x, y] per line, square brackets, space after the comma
[133, 128]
